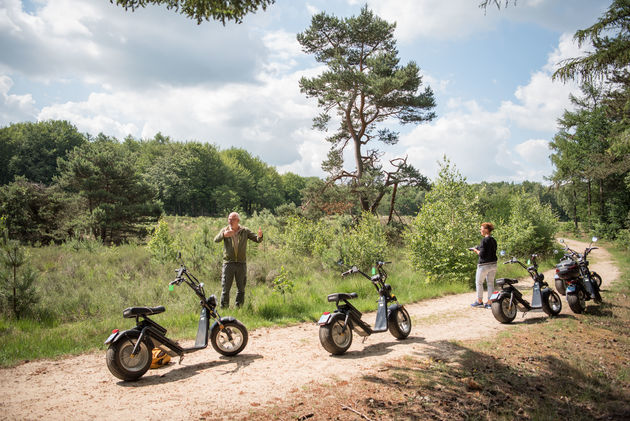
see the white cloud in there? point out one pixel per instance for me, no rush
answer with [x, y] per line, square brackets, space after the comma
[14, 108]
[455, 19]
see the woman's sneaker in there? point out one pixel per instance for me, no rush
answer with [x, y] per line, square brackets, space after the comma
[476, 304]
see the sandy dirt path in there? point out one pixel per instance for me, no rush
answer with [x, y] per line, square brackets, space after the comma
[277, 363]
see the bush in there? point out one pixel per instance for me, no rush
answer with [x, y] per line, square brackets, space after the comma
[531, 228]
[623, 239]
[364, 244]
[161, 245]
[445, 227]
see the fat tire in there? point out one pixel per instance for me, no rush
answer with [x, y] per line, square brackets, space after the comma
[234, 325]
[329, 331]
[500, 313]
[395, 328]
[598, 279]
[117, 355]
[552, 305]
[561, 286]
[575, 304]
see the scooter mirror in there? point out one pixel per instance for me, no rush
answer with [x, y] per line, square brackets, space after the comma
[179, 254]
[502, 252]
[555, 251]
[340, 262]
[561, 240]
[594, 239]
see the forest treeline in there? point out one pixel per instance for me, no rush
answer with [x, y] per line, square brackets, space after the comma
[57, 183]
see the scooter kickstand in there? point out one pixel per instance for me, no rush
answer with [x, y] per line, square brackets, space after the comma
[181, 358]
[364, 339]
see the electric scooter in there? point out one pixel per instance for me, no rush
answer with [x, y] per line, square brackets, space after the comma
[129, 354]
[581, 284]
[335, 329]
[509, 300]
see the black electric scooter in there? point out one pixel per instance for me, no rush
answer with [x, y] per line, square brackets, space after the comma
[509, 300]
[335, 329]
[581, 284]
[129, 354]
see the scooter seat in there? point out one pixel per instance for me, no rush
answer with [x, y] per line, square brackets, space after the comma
[341, 296]
[502, 281]
[142, 311]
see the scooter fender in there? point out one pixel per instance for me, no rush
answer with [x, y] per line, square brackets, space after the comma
[327, 317]
[120, 335]
[497, 295]
[226, 319]
[544, 293]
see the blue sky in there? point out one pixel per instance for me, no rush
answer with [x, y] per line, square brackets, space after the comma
[123, 73]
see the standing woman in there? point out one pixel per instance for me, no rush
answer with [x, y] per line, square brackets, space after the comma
[487, 265]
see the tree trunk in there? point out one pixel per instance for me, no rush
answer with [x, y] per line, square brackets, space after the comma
[601, 200]
[575, 220]
[588, 200]
[392, 203]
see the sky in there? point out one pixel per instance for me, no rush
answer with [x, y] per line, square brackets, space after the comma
[123, 73]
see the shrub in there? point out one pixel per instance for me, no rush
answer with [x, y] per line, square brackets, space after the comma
[445, 227]
[161, 245]
[364, 244]
[531, 227]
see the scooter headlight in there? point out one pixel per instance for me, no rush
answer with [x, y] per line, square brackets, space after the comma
[212, 301]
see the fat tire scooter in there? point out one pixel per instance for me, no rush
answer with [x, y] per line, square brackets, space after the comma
[335, 329]
[509, 300]
[581, 284]
[129, 353]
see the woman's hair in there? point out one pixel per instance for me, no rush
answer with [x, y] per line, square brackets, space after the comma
[488, 226]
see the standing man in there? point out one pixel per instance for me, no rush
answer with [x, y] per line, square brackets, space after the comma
[234, 238]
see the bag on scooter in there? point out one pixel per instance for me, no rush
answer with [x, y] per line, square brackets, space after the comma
[160, 358]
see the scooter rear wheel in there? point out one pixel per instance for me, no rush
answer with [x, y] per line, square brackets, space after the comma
[502, 311]
[336, 336]
[223, 344]
[399, 323]
[561, 286]
[123, 365]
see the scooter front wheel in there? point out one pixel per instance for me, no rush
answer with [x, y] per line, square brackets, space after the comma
[502, 310]
[336, 335]
[125, 366]
[230, 340]
[577, 302]
[597, 279]
[553, 304]
[399, 323]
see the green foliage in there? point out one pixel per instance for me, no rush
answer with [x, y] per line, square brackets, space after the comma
[364, 244]
[17, 290]
[445, 227]
[531, 227]
[161, 245]
[200, 10]
[33, 211]
[32, 149]
[282, 283]
[307, 237]
[117, 202]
